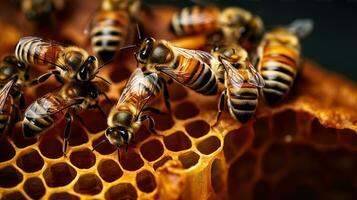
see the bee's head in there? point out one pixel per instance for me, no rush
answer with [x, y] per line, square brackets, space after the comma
[13, 68]
[118, 136]
[145, 50]
[231, 53]
[88, 69]
[35, 10]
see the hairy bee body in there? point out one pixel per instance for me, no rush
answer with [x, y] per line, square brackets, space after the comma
[188, 67]
[41, 9]
[13, 77]
[110, 27]
[279, 62]
[126, 117]
[241, 81]
[71, 62]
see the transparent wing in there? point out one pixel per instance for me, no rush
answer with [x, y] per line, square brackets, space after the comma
[4, 93]
[49, 49]
[233, 75]
[139, 88]
[254, 77]
[49, 104]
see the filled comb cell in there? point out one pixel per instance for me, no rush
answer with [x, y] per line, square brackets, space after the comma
[109, 170]
[146, 181]
[121, 191]
[59, 174]
[34, 187]
[177, 141]
[9, 177]
[30, 161]
[88, 184]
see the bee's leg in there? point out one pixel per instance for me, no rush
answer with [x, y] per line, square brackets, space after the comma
[44, 77]
[67, 132]
[151, 126]
[221, 103]
[166, 94]
[59, 79]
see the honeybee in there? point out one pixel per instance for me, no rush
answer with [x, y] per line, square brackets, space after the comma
[232, 23]
[241, 80]
[40, 9]
[279, 58]
[13, 77]
[132, 108]
[71, 63]
[191, 68]
[69, 101]
[110, 26]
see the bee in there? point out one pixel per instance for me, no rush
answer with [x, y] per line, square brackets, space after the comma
[40, 9]
[73, 98]
[110, 25]
[13, 77]
[242, 82]
[191, 68]
[232, 23]
[70, 63]
[132, 108]
[280, 59]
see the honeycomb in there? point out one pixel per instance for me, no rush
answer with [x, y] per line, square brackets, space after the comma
[304, 148]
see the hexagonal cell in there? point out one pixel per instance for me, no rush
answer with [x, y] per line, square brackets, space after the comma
[348, 138]
[322, 135]
[9, 177]
[274, 159]
[30, 160]
[261, 190]
[288, 128]
[78, 134]
[132, 161]
[236, 141]
[13, 196]
[217, 181]
[7, 151]
[304, 158]
[109, 170]
[177, 141]
[161, 162]
[51, 147]
[18, 138]
[105, 148]
[145, 181]
[262, 132]
[197, 128]
[88, 184]
[177, 92]
[122, 191]
[152, 150]
[242, 170]
[83, 159]
[34, 187]
[209, 145]
[63, 196]
[186, 110]
[94, 124]
[163, 121]
[189, 159]
[59, 174]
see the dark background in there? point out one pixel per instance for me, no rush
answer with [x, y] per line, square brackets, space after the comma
[333, 42]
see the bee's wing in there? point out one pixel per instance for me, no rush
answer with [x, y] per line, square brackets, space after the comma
[234, 77]
[49, 104]
[51, 48]
[254, 77]
[4, 93]
[182, 76]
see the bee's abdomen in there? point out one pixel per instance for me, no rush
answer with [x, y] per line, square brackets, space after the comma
[243, 103]
[195, 19]
[33, 50]
[278, 68]
[109, 33]
[35, 126]
[196, 75]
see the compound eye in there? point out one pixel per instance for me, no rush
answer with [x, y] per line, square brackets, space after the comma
[91, 59]
[124, 134]
[83, 74]
[216, 48]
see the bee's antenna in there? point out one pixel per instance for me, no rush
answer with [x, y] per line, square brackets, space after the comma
[138, 31]
[103, 79]
[99, 144]
[128, 47]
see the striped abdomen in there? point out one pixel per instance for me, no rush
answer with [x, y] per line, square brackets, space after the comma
[35, 122]
[5, 115]
[196, 75]
[36, 51]
[278, 67]
[242, 103]
[194, 20]
[108, 33]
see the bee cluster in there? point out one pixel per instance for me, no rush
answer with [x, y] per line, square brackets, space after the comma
[242, 62]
